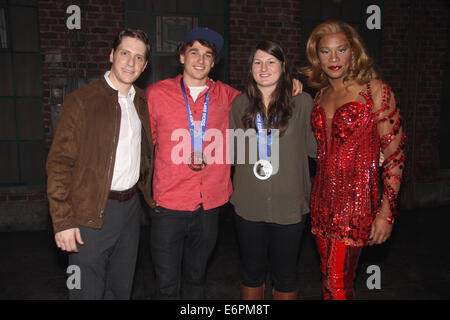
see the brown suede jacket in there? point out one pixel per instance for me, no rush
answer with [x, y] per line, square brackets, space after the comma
[80, 163]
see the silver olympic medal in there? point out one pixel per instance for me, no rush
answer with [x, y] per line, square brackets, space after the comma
[262, 169]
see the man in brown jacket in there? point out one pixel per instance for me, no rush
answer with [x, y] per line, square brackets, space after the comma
[101, 152]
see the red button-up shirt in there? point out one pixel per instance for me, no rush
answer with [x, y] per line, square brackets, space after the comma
[175, 185]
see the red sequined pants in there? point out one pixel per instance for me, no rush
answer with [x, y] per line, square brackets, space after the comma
[338, 265]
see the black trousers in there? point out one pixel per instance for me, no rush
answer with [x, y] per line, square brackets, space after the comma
[181, 244]
[272, 244]
[107, 260]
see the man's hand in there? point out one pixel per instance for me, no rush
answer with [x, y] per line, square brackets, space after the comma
[297, 87]
[380, 230]
[66, 239]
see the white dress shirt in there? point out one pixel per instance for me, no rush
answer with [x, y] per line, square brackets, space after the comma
[128, 152]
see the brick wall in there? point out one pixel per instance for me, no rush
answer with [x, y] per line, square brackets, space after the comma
[254, 20]
[69, 54]
[414, 52]
[87, 48]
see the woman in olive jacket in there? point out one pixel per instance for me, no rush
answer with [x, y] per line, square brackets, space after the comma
[271, 195]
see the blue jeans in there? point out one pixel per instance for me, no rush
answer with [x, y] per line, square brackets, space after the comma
[181, 244]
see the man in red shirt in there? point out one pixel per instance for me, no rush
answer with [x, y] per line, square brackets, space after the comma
[189, 119]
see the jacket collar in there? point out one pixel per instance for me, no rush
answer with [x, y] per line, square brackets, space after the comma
[111, 91]
[107, 87]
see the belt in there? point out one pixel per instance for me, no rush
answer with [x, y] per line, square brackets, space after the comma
[122, 195]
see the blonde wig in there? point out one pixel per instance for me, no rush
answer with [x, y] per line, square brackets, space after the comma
[361, 69]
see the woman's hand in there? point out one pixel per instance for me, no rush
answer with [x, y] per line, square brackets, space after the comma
[297, 87]
[380, 230]
[381, 158]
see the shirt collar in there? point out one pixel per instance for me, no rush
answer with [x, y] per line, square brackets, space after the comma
[209, 83]
[131, 93]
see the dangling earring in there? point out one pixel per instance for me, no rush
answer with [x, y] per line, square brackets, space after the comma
[353, 64]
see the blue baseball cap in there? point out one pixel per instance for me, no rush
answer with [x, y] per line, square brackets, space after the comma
[205, 34]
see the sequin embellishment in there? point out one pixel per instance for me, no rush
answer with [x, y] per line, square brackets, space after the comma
[347, 189]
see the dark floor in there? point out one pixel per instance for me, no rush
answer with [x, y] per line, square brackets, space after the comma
[414, 264]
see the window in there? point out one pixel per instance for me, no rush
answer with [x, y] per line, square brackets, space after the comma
[22, 142]
[3, 37]
[166, 22]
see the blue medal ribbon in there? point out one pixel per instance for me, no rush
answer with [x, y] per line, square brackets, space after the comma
[197, 136]
[264, 140]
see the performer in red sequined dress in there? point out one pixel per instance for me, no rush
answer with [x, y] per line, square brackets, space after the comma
[355, 116]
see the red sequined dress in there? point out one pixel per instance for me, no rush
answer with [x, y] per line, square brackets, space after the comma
[350, 186]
